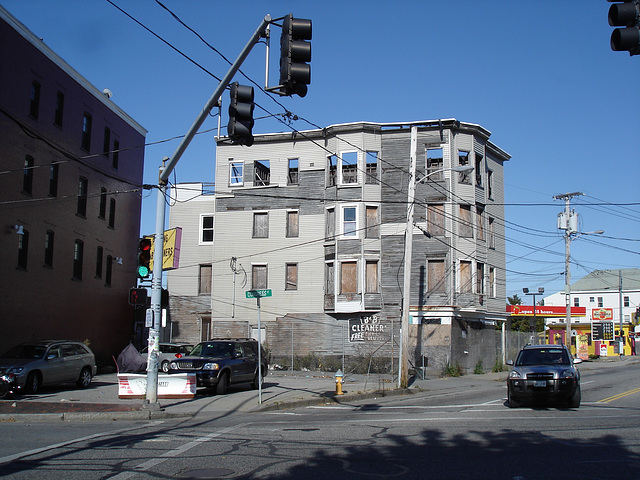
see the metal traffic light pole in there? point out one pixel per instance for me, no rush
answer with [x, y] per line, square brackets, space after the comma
[168, 164]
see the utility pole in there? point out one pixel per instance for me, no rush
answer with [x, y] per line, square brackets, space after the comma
[403, 374]
[167, 167]
[569, 223]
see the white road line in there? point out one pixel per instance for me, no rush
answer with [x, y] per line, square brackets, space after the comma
[173, 453]
[36, 451]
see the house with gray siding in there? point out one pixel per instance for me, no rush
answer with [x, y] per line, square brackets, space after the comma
[319, 218]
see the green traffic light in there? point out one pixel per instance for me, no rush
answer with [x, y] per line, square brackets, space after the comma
[143, 271]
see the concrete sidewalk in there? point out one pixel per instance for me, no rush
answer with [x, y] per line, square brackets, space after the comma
[280, 390]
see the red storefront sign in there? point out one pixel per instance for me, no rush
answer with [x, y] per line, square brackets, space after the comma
[544, 311]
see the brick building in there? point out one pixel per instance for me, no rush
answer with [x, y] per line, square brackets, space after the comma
[70, 200]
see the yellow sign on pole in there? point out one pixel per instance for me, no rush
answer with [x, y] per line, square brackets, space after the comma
[171, 254]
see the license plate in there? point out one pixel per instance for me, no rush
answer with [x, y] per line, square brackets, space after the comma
[540, 383]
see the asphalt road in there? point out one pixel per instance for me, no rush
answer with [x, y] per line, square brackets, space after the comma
[454, 434]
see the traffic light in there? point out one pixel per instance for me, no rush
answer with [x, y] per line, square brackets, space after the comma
[626, 15]
[144, 257]
[138, 297]
[241, 114]
[295, 51]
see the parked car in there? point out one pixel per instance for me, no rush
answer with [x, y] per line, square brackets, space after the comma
[168, 352]
[222, 362]
[544, 373]
[51, 362]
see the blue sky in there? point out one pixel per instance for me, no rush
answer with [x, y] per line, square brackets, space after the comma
[538, 74]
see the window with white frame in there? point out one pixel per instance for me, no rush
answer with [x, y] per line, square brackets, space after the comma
[292, 223]
[236, 175]
[291, 276]
[480, 221]
[492, 282]
[435, 163]
[371, 276]
[479, 168]
[349, 276]
[466, 283]
[206, 229]
[435, 219]
[349, 221]
[492, 233]
[463, 159]
[371, 167]
[465, 227]
[259, 277]
[372, 230]
[436, 281]
[260, 225]
[349, 168]
[576, 301]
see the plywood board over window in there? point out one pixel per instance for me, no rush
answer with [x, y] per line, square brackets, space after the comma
[435, 274]
[349, 277]
[371, 276]
[291, 276]
[465, 277]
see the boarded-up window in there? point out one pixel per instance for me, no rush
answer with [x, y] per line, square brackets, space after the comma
[348, 277]
[292, 224]
[260, 225]
[291, 272]
[435, 219]
[436, 278]
[372, 222]
[466, 225]
[329, 279]
[204, 285]
[330, 225]
[465, 277]
[258, 277]
[371, 276]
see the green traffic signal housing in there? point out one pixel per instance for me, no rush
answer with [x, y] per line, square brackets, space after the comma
[295, 52]
[144, 257]
[241, 108]
[626, 15]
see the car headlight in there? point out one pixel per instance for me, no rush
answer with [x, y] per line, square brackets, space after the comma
[210, 366]
[15, 370]
[567, 374]
[515, 374]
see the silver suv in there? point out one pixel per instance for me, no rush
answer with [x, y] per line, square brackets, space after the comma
[544, 373]
[52, 362]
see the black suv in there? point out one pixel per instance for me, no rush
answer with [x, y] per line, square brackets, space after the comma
[222, 362]
[546, 373]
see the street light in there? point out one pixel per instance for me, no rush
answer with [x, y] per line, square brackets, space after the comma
[532, 326]
[403, 372]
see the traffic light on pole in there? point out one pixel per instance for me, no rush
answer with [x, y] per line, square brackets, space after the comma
[295, 51]
[241, 114]
[626, 15]
[144, 257]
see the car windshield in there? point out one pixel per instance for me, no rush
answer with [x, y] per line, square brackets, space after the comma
[26, 351]
[213, 349]
[539, 356]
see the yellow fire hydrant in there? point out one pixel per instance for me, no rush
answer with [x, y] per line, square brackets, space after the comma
[339, 376]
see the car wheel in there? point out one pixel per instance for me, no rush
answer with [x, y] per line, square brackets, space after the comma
[223, 383]
[574, 400]
[256, 381]
[165, 367]
[511, 402]
[32, 385]
[84, 380]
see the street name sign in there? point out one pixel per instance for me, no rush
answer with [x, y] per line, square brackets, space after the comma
[258, 293]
